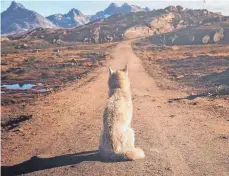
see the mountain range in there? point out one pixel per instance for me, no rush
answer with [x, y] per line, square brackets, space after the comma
[17, 19]
[122, 26]
[115, 9]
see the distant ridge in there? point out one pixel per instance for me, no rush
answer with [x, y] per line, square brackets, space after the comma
[73, 18]
[115, 9]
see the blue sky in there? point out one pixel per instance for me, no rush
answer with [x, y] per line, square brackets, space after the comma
[46, 8]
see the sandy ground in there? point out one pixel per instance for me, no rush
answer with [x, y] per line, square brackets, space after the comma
[62, 137]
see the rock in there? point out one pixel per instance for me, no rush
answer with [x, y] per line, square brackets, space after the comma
[23, 46]
[218, 35]
[171, 9]
[205, 39]
[193, 103]
[180, 76]
[58, 42]
[179, 8]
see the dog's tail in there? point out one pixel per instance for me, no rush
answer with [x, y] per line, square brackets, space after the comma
[133, 154]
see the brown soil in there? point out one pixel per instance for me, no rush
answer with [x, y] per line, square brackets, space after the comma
[178, 138]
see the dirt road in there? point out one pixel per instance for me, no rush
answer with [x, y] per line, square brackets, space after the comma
[178, 139]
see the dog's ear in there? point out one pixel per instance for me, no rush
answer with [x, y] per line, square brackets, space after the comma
[125, 69]
[110, 71]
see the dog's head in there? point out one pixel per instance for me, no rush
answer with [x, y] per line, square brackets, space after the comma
[118, 78]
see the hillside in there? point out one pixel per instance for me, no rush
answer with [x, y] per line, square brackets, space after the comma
[120, 26]
[215, 30]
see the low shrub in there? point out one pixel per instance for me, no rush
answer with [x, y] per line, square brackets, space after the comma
[44, 75]
[31, 58]
[71, 78]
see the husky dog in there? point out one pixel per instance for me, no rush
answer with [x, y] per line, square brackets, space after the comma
[117, 138]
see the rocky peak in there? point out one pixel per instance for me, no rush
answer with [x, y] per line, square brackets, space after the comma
[15, 6]
[74, 12]
[125, 5]
[130, 8]
[112, 5]
[146, 9]
[112, 9]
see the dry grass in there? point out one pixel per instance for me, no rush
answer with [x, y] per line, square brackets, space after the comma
[53, 66]
[182, 52]
[200, 68]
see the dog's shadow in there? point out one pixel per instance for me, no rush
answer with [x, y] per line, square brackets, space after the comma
[37, 164]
